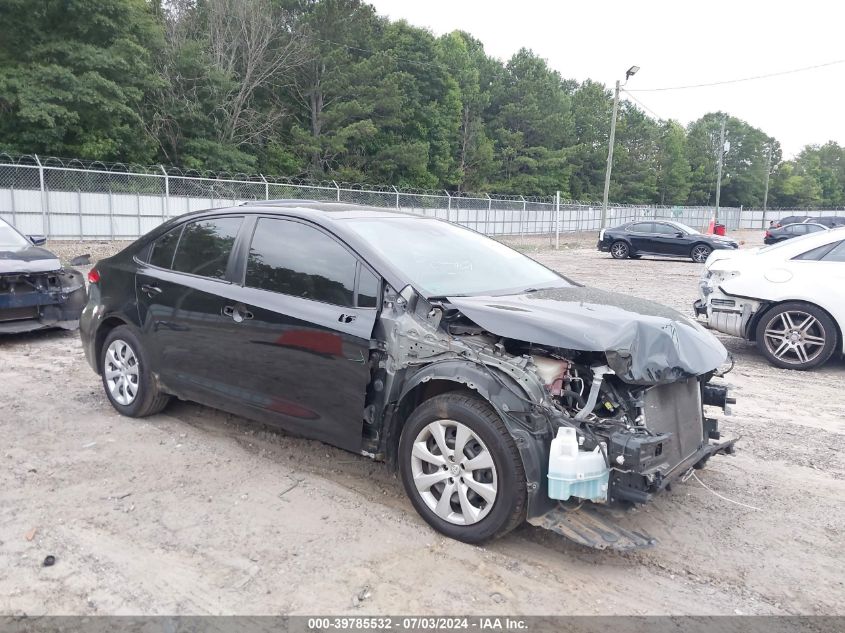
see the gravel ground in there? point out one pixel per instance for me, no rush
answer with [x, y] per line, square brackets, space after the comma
[198, 512]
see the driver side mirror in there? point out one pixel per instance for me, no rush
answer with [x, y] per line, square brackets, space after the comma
[679, 234]
[38, 240]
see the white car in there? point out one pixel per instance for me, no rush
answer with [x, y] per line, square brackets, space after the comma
[788, 297]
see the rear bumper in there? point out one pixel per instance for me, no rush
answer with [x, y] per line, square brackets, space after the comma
[604, 247]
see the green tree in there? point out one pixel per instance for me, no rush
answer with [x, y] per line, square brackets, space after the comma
[73, 75]
[673, 169]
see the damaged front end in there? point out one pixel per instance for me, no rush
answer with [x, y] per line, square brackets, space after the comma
[604, 395]
[36, 300]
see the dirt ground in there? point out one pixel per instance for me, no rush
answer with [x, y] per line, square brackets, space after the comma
[194, 511]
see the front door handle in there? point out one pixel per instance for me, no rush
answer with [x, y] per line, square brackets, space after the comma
[346, 318]
[238, 312]
[150, 289]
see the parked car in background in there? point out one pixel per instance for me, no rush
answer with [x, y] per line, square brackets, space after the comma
[36, 292]
[830, 221]
[775, 235]
[420, 342]
[660, 237]
[787, 297]
[790, 219]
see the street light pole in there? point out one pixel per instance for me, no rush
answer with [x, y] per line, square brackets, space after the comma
[766, 190]
[719, 171]
[628, 74]
[610, 156]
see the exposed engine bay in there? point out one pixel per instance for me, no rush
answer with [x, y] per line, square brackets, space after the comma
[635, 437]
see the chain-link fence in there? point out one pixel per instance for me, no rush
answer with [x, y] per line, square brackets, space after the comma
[95, 201]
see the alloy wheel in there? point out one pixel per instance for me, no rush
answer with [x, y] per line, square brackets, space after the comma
[794, 337]
[454, 472]
[121, 372]
[619, 250]
[700, 253]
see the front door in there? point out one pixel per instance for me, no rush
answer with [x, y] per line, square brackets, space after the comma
[303, 319]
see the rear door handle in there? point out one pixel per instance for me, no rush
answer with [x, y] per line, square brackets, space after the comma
[150, 289]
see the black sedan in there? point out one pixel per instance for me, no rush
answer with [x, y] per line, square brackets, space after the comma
[779, 234]
[660, 237]
[36, 292]
[500, 388]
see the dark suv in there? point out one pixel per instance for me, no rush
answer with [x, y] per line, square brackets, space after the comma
[420, 342]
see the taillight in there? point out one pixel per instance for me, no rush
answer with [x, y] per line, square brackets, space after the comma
[93, 276]
[766, 235]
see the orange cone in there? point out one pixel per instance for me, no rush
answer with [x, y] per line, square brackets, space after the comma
[711, 227]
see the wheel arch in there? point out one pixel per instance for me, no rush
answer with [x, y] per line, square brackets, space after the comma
[465, 377]
[106, 325]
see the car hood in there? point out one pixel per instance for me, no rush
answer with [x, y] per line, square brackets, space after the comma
[644, 342]
[28, 259]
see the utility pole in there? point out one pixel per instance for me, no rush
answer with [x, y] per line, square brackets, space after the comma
[610, 156]
[719, 170]
[766, 190]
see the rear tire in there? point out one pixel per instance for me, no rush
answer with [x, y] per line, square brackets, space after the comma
[620, 250]
[484, 479]
[126, 376]
[797, 335]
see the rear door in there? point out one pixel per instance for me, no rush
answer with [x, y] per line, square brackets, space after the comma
[304, 317]
[181, 293]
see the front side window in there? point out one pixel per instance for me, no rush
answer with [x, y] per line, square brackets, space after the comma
[301, 261]
[812, 228]
[368, 289]
[205, 247]
[665, 229]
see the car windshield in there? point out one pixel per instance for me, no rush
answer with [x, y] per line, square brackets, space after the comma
[10, 238]
[442, 259]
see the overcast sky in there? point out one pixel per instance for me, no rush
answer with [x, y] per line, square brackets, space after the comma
[676, 43]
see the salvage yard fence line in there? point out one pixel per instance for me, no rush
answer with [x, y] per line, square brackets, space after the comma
[71, 200]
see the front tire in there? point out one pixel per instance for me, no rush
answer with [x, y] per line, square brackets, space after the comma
[461, 468]
[620, 250]
[796, 335]
[700, 253]
[126, 376]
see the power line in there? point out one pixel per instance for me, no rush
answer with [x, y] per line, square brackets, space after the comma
[652, 112]
[735, 81]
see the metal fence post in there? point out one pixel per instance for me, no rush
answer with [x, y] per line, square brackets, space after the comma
[165, 208]
[266, 187]
[448, 206]
[111, 214]
[79, 213]
[45, 203]
[338, 190]
[138, 211]
[487, 216]
[522, 219]
[557, 219]
[397, 195]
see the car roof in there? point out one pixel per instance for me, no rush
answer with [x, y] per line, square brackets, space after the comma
[331, 216]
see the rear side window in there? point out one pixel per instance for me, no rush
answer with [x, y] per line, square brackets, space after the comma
[642, 227]
[164, 247]
[837, 254]
[828, 252]
[299, 260]
[205, 247]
